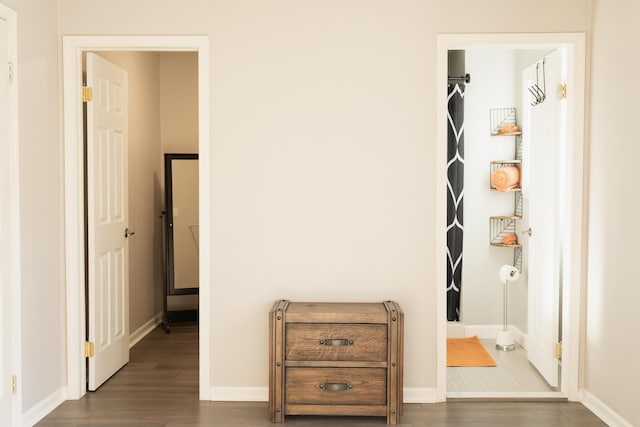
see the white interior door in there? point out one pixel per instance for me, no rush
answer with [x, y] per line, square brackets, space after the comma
[10, 390]
[108, 287]
[5, 287]
[544, 139]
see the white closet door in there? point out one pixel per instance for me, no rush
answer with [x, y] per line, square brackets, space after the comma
[10, 391]
[544, 138]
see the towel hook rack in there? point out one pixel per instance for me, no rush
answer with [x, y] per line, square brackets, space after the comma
[539, 93]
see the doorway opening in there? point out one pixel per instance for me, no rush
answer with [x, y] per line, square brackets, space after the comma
[74, 47]
[570, 264]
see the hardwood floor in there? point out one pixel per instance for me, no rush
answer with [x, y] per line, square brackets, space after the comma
[159, 387]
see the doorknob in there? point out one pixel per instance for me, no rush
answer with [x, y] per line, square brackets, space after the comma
[128, 233]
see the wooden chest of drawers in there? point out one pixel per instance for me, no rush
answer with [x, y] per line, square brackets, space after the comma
[335, 359]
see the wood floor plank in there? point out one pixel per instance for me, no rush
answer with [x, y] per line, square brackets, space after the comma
[159, 388]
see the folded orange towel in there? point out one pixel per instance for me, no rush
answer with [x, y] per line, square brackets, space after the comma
[509, 239]
[509, 128]
[506, 178]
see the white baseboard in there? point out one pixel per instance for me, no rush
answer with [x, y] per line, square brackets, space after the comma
[456, 330]
[486, 332]
[602, 410]
[505, 395]
[240, 394]
[519, 336]
[261, 394]
[144, 330]
[419, 395]
[44, 407]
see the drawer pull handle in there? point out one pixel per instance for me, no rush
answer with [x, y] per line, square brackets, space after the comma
[336, 386]
[336, 343]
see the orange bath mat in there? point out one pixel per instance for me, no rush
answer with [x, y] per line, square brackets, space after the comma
[467, 352]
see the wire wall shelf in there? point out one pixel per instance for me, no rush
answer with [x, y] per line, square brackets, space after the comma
[518, 150]
[506, 176]
[517, 258]
[517, 209]
[503, 121]
[502, 231]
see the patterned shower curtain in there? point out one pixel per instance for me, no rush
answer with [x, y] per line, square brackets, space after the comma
[455, 193]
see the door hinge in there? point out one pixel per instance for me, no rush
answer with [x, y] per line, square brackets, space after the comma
[14, 385]
[10, 71]
[88, 349]
[87, 94]
[563, 91]
[559, 350]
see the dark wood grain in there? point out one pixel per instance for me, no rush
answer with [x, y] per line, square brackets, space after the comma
[336, 312]
[308, 341]
[276, 360]
[325, 348]
[159, 388]
[366, 386]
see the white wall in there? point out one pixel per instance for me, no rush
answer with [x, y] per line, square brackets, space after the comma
[322, 152]
[338, 95]
[179, 102]
[492, 86]
[322, 148]
[613, 291]
[179, 130]
[41, 203]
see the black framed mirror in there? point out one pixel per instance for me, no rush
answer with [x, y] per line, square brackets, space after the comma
[180, 234]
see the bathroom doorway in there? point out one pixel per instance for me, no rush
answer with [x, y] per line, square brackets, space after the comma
[481, 313]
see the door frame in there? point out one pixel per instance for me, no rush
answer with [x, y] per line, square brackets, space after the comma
[12, 197]
[574, 262]
[72, 49]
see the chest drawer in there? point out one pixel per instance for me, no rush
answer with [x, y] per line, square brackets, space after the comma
[336, 341]
[336, 386]
[342, 359]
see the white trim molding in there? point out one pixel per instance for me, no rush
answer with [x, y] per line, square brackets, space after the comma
[240, 394]
[602, 410]
[73, 47]
[44, 407]
[419, 395]
[507, 395]
[488, 332]
[261, 394]
[144, 330]
[13, 277]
